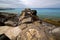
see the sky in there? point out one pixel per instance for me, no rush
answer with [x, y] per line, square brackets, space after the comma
[29, 3]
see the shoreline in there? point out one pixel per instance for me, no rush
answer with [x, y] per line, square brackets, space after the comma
[43, 20]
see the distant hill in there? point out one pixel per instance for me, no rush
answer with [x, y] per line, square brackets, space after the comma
[6, 8]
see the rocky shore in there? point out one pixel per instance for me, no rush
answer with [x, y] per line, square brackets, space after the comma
[32, 27]
[8, 19]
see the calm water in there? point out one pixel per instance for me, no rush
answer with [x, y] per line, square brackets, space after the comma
[41, 11]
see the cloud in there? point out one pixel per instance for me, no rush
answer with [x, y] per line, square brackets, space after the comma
[30, 3]
[11, 4]
[2, 5]
[40, 3]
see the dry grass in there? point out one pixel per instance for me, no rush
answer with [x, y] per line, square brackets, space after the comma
[54, 22]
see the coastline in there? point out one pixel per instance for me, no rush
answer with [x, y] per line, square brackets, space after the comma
[29, 22]
[47, 20]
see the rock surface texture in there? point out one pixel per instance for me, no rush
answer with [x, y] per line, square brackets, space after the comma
[9, 19]
[31, 26]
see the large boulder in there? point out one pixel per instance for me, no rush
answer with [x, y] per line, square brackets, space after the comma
[28, 15]
[56, 33]
[11, 23]
[33, 31]
[6, 17]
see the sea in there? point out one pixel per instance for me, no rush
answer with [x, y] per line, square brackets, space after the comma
[53, 12]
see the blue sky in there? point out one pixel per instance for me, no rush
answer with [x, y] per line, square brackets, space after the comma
[30, 3]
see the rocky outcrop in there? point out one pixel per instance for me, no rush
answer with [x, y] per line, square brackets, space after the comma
[9, 19]
[31, 27]
[56, 33]
[33, 31]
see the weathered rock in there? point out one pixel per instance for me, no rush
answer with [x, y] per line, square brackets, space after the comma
[3, 29]
[56, 33]
[29, 15]
[34, 12]
[27, 20]
[10, 23]
[2, 24]
[5, 17]
[32, 30]
[31, 26]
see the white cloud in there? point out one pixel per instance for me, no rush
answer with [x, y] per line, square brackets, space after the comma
[30, 3]
[11, 3]
[40, 3]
